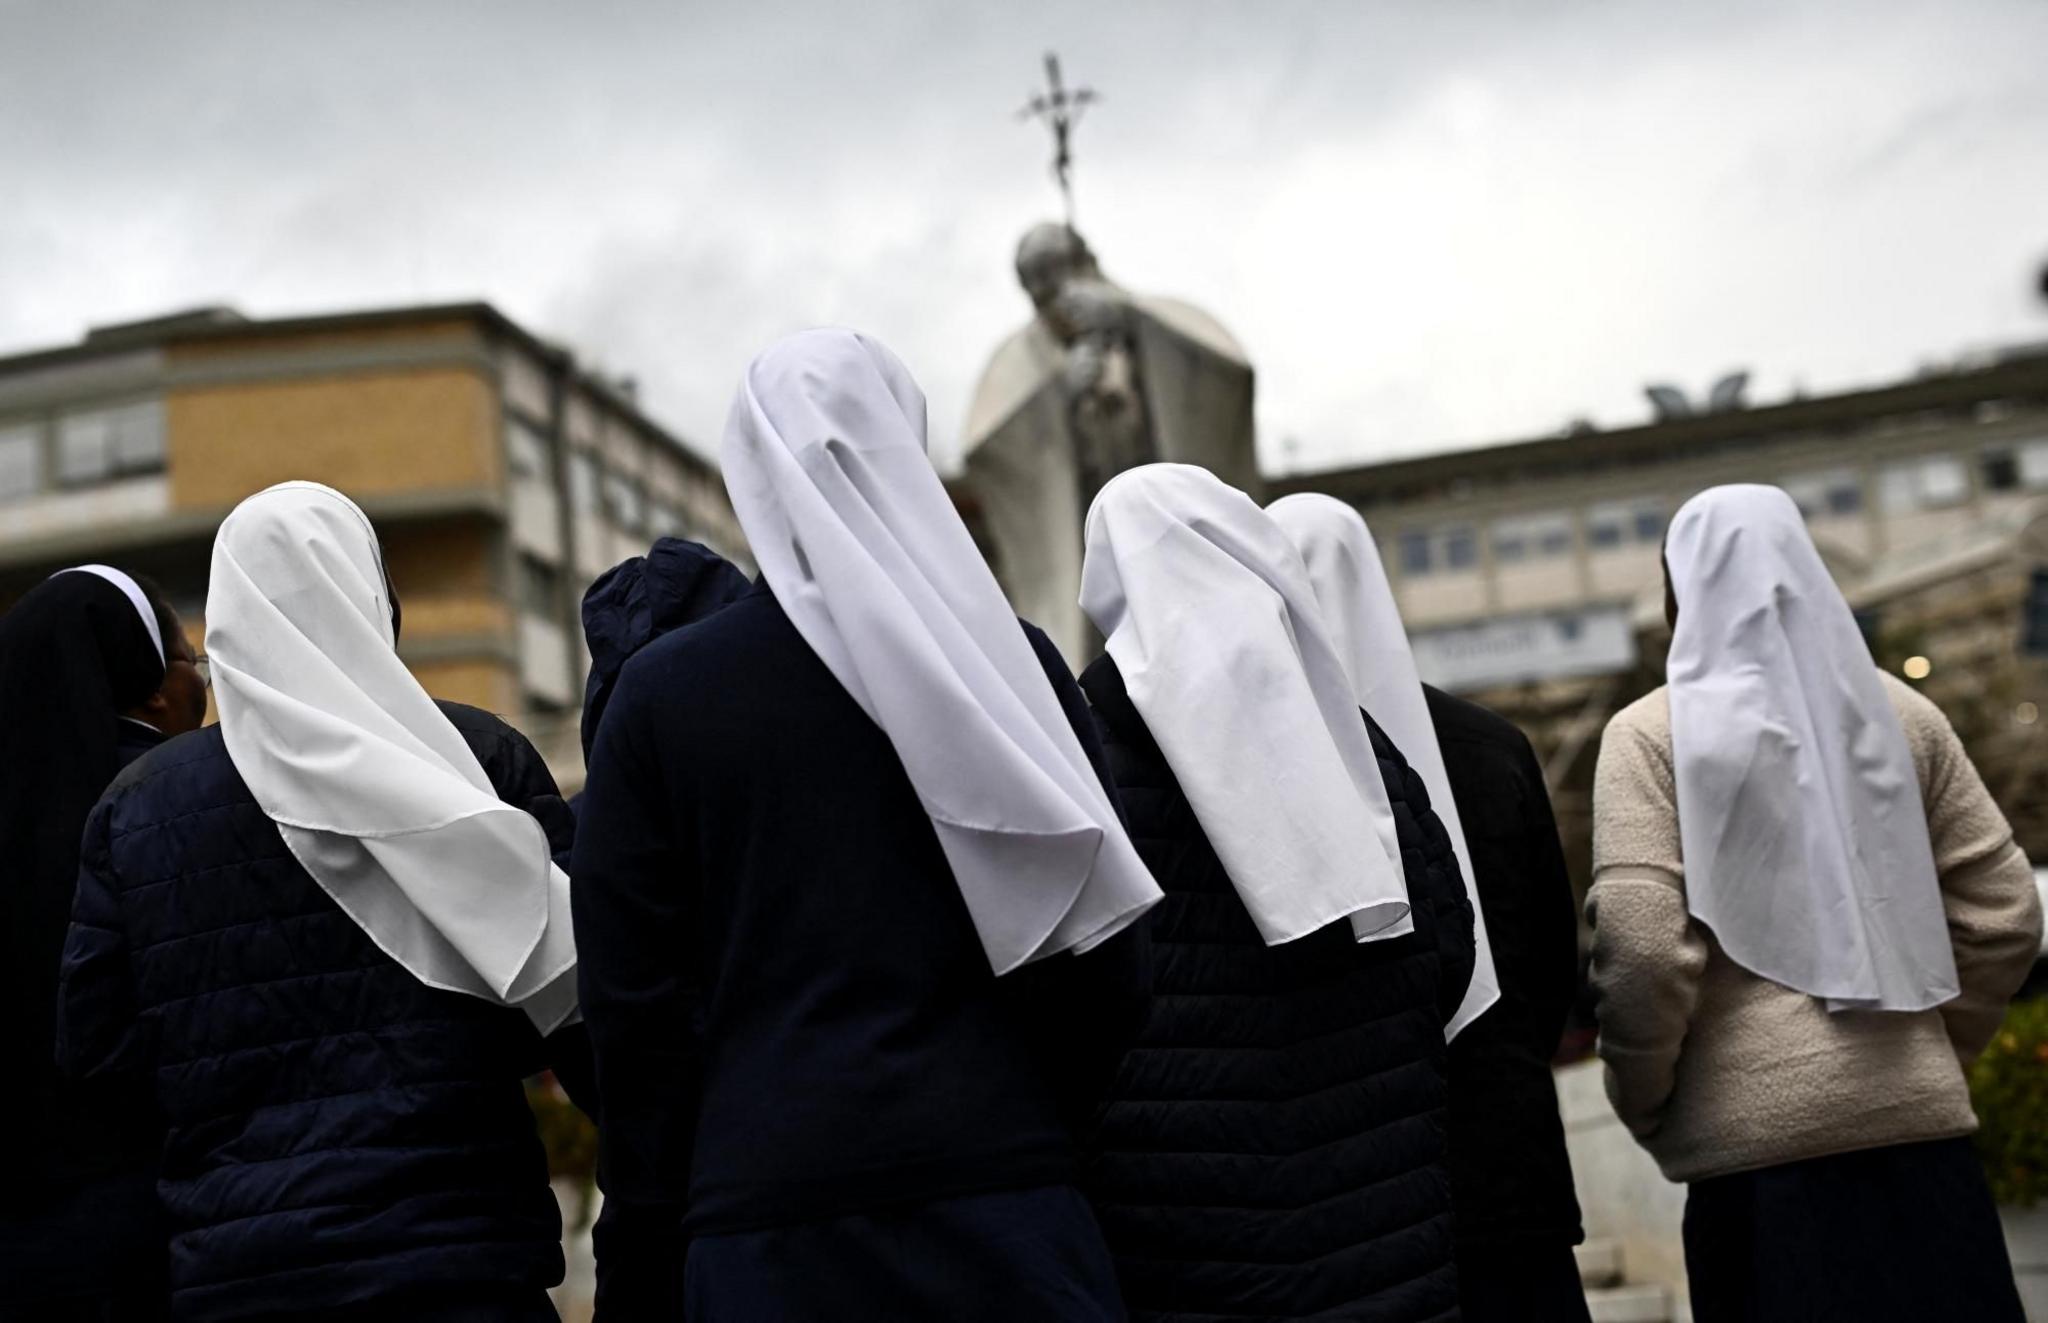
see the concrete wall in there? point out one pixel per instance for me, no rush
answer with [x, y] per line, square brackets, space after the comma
[1622, 1195]
[2026, 1238]
[59, 514]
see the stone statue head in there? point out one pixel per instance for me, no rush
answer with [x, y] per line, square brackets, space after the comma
[1089, 307]
[1049, 256]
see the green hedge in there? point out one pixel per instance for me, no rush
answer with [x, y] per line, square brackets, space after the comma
[568, 1135]
[2009, 1087]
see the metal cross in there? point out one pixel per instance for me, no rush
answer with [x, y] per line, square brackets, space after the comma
[1061, 110]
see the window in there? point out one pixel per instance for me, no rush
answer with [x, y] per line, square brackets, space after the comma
[1414, 553]
[138, 438]
[1531, 537]
[1944, 481]
[1616, 524]
[1446, 549]
[539, 586]
[582, 482]
[526, 449]
[2000, 469]
[625, 500]
[1922, 484]
[21, 462]
[94, 445]
[2033, 458]
[664, 520]
[84, 452]
[1829, 493]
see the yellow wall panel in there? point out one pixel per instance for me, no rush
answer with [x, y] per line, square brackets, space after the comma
[485, 684]
[444, 617]
[442, 558]
[366, 434]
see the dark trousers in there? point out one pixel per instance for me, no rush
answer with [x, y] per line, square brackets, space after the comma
[1902, 1234]
[1536, 1283]
[1021, 1256]
[532, 1306]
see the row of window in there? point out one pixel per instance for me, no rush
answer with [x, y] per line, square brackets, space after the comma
[81, 447]
[1832, 494]
[1934, 482]
[2014, 468]
[1522, 539]
[592, 487]
[1927, 482]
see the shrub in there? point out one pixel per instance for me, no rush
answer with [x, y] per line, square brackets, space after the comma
[2009, 1088]
[569, 1137]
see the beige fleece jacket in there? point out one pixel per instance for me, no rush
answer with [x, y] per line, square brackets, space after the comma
[1716, 1070]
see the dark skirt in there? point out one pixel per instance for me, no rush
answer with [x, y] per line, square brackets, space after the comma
[1517, 1283]
[1902, 1234]
[91, 1254]
[1032, 1256]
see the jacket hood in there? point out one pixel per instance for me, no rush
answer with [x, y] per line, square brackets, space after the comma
[635, 602]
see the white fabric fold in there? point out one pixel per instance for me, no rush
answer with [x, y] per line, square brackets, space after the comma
[136, 598]
[373, 789]
[824, 456]
[1351, 586]
[1212, 623]
[1800, 813]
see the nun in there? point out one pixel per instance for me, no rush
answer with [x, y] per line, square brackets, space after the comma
[858, 914]
[98, 671]
[326, 938]
[1808, 915]
[677, 583]
[1273, 1145]
[1511, 1178]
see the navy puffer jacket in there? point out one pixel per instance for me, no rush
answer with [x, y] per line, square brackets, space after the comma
[678, 582]
[336, 1133]
[1274, 1146]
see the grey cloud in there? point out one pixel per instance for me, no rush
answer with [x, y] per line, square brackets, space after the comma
[1430, 224]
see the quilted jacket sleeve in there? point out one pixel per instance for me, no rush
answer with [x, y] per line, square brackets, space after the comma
[98, 1034]
[522, 779]
[1649, 957]
[1431, 872]
[1444, 887]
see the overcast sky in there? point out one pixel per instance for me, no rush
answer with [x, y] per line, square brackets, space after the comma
[1432, 225]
